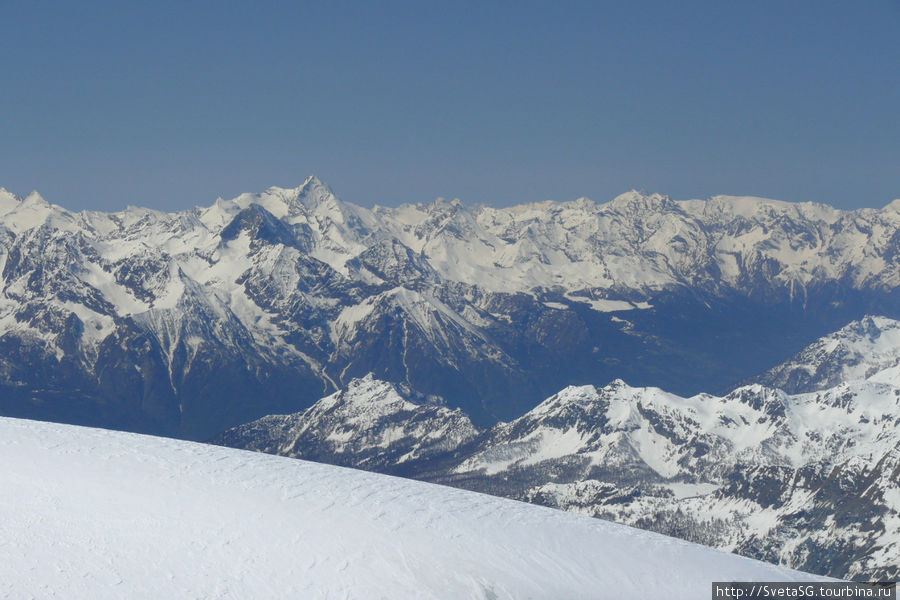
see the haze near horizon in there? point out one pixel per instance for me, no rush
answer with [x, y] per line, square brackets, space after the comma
[170, 106]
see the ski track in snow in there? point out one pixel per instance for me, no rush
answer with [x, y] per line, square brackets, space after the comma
[90, 513]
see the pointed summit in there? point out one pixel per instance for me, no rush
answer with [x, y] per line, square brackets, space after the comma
[313, 181]
[35, 198]
[315, 192]
[312, 197]
[33, 211]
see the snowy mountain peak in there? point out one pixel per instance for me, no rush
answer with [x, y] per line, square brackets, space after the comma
[570, 396]
[752, 208]
[8, 201]
[445, 204]
[293, 205]
[588, 393]
[370, 424]
[34, 211]
[616, 385]
[35, 198]
[367, 392]
[858, 350]
[314, 191]
[314, 181]
[635, 200]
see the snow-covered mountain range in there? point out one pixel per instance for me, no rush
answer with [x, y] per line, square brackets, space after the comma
[809, 480]
[90, 513]
[188, 323]
[864, 349]
[371, 425]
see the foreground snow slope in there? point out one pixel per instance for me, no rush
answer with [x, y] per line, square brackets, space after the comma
[90, 513]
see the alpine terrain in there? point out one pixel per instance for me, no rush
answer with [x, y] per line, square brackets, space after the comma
[188, 323]
[808, 479]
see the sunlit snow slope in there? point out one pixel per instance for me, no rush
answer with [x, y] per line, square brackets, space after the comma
[90, 513]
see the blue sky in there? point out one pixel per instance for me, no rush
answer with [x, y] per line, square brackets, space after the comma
[171, 105]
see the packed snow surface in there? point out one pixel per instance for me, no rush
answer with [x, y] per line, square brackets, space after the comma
[90, 513]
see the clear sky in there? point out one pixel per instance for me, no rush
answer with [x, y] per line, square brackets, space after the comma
[172, 104]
